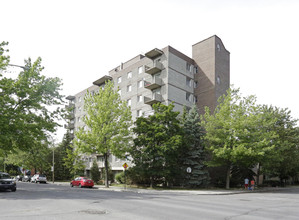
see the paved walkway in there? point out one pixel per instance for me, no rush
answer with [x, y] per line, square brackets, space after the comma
[185, 191]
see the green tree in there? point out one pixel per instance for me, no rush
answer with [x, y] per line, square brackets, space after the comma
[193, 155]
[237, 133]
[95, 172]
[4, 59]
[62, 172]
[155, 151]
[73, 162]
[108, 124]
[24, 105]
[34, 158]
[283, 161]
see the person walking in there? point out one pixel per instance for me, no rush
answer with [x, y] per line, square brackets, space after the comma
[246, 182]
[252, 184]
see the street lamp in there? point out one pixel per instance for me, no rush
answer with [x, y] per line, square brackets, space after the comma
[53, 158]
[23, 67]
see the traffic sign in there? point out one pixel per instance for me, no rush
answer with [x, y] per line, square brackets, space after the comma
[125, 165]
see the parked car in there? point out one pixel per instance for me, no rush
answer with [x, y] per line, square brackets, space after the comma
[39, 178]
[26, 178]
[6, 182]
[19, 178]
[82, 182]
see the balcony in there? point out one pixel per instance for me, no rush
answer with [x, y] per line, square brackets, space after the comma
[154, 99]
[70, 97]
[154, 53]
[154, 68]
[155, 83]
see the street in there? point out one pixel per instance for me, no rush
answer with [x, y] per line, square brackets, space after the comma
[51, 201]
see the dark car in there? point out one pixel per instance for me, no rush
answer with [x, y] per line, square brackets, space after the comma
[82, 182]
[6, 182]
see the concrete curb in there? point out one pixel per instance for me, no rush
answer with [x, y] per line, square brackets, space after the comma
[193, 192]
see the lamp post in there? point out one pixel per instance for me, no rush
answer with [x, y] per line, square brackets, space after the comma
[53, 165]
[23, 67]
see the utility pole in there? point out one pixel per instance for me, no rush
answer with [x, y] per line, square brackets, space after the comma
[53, 165]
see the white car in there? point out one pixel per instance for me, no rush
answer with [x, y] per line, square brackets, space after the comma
[39, 178]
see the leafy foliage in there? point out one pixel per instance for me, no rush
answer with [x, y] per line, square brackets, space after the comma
[95, 172]
[155, 150]
[238, 132]
[283, 161]
[108, 124]
[73, 162]
[24, 105]
[193, 155]
[62, 172]
[35, 158]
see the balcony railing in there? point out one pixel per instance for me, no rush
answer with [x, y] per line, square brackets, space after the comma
[154, 99]
[155, 83]
[153, 68]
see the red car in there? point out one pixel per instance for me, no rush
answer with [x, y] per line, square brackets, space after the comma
[82, 182]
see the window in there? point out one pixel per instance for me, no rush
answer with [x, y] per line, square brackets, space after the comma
[79, 99]
[139, 113]
[188, 82]
[140, 84]
[140, 70]
[218, 47]
[189, 67]
[195, 84]
[157, 91]
[119, 79]
[100, 159]
[79, 119]
[188, 96]
[195, 69]
[129, 74]
[119, 92]
[218, 80]
[139, 98]
[129, 88]
[195, 99]
[129, 102]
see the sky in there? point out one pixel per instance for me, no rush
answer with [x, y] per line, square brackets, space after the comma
[80, 41]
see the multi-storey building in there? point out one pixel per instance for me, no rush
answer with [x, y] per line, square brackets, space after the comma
[167, 76]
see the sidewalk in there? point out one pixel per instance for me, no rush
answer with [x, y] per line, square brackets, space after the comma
[183, 191]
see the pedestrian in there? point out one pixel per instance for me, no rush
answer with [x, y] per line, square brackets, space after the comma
[252, 184]
[246, 182]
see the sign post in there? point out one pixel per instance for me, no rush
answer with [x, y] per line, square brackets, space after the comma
[125, 165]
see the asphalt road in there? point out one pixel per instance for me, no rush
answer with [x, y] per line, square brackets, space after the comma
[50, 201]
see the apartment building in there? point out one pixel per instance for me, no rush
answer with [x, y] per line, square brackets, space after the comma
[163, 75]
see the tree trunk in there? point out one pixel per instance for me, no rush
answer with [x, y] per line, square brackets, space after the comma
[227, 177]
[258, 174]
[106, 170]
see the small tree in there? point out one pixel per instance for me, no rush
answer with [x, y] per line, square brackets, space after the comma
[155, 150]
[193, 155]
[108, 124]
[95, 172]
[73, 162]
